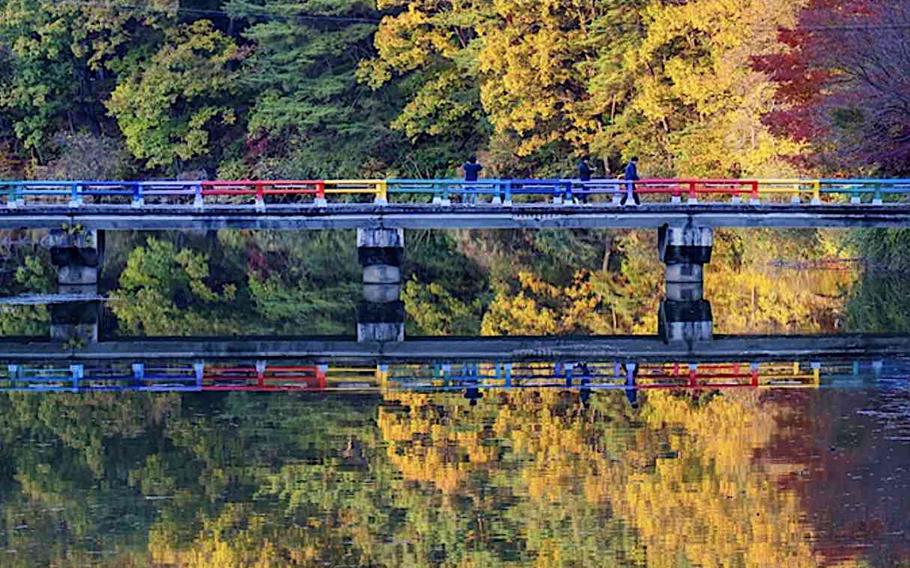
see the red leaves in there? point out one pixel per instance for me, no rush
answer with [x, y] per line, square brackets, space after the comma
[841, 82]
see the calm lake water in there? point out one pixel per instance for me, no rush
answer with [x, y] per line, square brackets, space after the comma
[336, 461]
[748, 478]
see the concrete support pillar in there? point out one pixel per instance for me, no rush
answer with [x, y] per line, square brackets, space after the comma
[688, 321]
[380, 317]
[380, 322]
[685, 251]
[78, 257]
[684, 313]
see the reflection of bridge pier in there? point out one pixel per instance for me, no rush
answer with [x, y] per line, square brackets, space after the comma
[77, 257]
[75, 321]
[684, 313]
[380, 316]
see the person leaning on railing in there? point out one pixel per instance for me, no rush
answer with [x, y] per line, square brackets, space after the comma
[471, 173]
[631, 176]
[584, 175]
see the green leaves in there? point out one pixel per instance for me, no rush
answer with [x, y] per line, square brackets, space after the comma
[37, 83]
[166, 292]
[308, 114]
[168, 107]
[58, 59]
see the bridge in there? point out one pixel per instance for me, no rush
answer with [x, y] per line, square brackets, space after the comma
[629, 363]
[446, 204]
[685, 212]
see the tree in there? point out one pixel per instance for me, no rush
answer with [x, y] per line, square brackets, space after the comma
[427, 50]
[58, 63]
[528, 69]
[842, 89]
[166, 292]
[698, 106]
[842, 84]
[309, 116]
[173, 103]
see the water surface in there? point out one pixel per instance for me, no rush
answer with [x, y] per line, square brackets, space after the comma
[331, 460]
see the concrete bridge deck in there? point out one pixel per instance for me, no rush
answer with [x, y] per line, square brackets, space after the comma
[458, 216]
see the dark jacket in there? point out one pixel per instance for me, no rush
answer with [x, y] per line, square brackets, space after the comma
[471, 170]
[584, 171]
[631, 172]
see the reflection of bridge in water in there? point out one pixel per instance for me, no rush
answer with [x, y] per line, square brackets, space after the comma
[631, 363]
[80, 354]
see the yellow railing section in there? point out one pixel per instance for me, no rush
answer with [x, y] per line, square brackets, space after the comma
[377, 188]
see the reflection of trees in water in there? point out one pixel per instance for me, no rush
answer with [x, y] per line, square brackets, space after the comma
[747, 295]
[853, 473]
[65, 461]
[165, 477]
[465, 283]
[421, 480]
[676, 482]
[879, 304]
[237, 282]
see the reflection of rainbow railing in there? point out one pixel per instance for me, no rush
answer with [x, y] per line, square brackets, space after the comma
[266, 377]
[262, 193]
[644, 376]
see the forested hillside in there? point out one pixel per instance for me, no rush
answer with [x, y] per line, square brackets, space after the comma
[333, 88]
[338, 88]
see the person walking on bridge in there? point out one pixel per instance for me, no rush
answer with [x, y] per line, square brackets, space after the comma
[631, 176]
[584, 175]
[471, 173]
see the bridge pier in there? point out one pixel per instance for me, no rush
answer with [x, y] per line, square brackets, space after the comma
[684, 313]
[77, 256]
[380, 316]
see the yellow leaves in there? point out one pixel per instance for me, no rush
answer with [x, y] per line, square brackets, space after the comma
[400, 45]
[540, 308]
[686, 479]
[747, 294]
[683, 478]
[601, 302]
[432, 111]
[418, 36]
[549, 554]
[518, 315]
[755, 298]
[578, 73]
[699, 85]
[712, 503]
[529, 60]
[440, 457]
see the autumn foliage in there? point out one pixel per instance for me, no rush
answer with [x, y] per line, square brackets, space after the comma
[841, 82]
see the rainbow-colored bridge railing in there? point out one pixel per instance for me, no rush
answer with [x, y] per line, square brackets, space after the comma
[265, 193]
